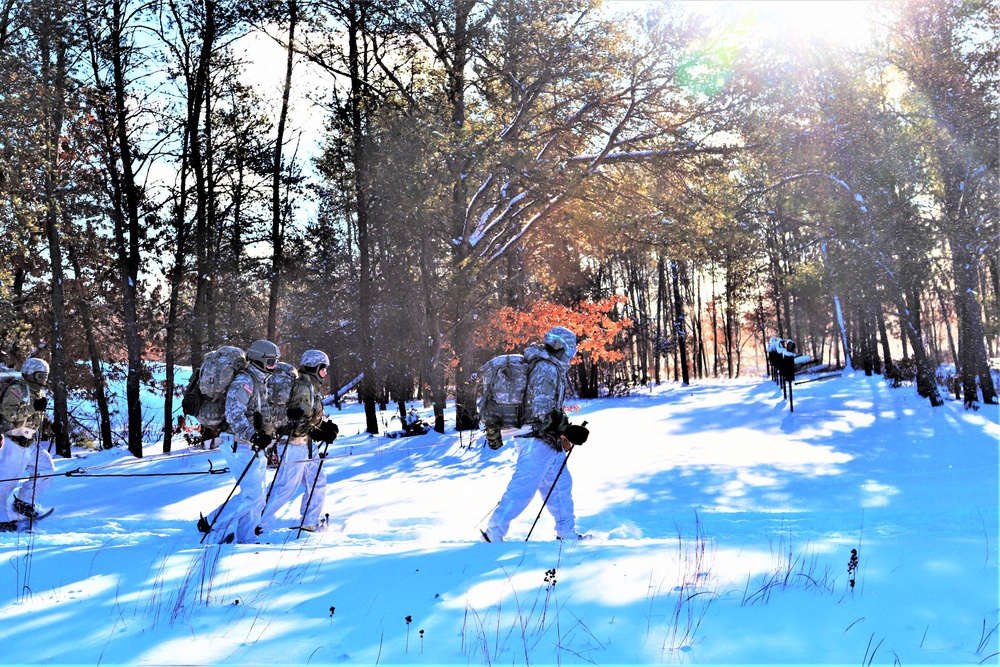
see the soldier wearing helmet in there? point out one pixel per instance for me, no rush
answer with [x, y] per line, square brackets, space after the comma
[300, 462]
[22, 414]
[251, 428]
[541, 458]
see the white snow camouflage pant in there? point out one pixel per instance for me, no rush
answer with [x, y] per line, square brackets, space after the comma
[242, 513]
[17, 464]
[536, 469]
[297, 472]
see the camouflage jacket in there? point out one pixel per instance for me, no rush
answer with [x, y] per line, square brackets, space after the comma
[17, 406]
[546, 390]
[305, 395]
[247, 395]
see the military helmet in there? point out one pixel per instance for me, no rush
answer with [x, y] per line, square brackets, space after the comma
[314, 358]
[561, 339]
[35, 371]
[315, 362]
[263, 354]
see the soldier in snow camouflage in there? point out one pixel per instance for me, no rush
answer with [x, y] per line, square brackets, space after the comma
[541, 451]
[300, 462]
[22, 413]
[251, 422]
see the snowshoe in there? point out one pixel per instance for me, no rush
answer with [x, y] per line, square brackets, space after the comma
[486, 537]
[39, 517]
[573, 537]
[25, 509]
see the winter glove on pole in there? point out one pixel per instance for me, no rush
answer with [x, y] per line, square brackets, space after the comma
[577, 434]
[326, 432]
[40, 403]
[260, 441]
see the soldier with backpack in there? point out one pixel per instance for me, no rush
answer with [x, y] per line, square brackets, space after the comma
[25, 466]
[283, 379]
[299, 459]
[543, 449]
[249, 423]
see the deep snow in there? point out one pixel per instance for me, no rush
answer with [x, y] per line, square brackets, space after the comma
[723, 526]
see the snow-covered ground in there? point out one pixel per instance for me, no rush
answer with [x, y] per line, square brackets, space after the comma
[723, 529]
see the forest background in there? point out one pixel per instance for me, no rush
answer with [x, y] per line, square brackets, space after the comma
[676, 185]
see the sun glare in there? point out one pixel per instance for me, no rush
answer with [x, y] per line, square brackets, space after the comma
[844, 22]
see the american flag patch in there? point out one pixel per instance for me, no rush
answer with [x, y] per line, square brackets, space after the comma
[248, 388]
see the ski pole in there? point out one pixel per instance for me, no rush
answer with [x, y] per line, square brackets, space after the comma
[319, 469]
[231, 492]
[277, 469]
[34, 477]
[281, 459]
[258, 425]
[551, 489]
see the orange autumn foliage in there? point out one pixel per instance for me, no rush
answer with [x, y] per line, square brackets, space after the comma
[510, 330]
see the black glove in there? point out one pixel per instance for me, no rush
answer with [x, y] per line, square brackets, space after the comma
[295, 414]
[260, 441]
[326, 432]
[331, 430]
[40, 403]
[577, 434]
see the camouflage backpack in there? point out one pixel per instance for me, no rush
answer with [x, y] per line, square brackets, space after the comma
[205, 397]
[13, 409]
[503, 388]
[281, 383]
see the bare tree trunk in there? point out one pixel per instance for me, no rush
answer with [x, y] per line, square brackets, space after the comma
[198, 92]
[362, 202]
[173, 300]
[466, 415]
[277, 225]
[128, 229]
[96, 369]
[679, 328]
[972, 345]
[661, 288]
[54, 79]
[884, 337]
[432, 363]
